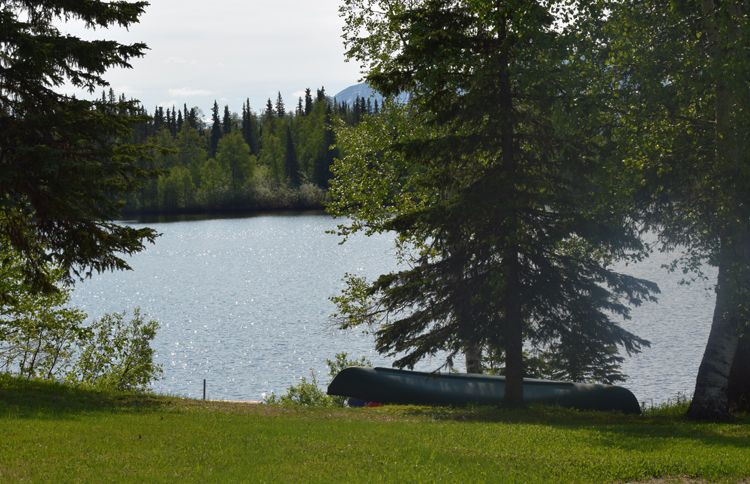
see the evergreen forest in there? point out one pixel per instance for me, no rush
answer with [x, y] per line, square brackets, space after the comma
[275, 159]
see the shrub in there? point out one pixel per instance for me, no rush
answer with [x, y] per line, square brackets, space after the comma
[118, 354]
[305, 393]
[309, 394]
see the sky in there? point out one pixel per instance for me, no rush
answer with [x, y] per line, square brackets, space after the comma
[230, 50]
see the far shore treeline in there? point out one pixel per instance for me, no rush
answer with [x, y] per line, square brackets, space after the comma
[273, 159]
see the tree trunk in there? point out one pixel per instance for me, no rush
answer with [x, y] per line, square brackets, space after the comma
[473, 354]
[739, 376]
[710, 401]
[710, 396]
[513, 333]
[513, 321]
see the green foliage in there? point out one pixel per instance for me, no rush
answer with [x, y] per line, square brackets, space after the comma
[309, 394]
[375, 183]
[500, 180]
[65, 171]
[38, 332]
[176, 189]
[250, 128]
[305, 393]
[683, 129]
[272, 162]
[324, 161]
[118, 355]
[216, 130]
[190, 150]
[215, 183]
[42, 337]
[272, 153]
[234, 156]
[291, 163]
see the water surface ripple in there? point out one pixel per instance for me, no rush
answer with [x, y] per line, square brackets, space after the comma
[244, 303]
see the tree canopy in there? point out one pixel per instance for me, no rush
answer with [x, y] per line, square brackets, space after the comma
[684, 123]
[494, 172]
[64, 167]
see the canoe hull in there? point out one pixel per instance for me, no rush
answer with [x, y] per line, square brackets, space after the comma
[386, 385]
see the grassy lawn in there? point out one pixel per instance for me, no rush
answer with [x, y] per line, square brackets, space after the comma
[54, 433]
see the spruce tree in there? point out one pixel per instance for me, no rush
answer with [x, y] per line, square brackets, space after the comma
[244, 126]
[64, 170]
[168, 120]
[308, 102]
[158, 118]
[227, 122]
[269, 113]
[356, 111]
[492, 169]
[329, 152]
[250, 129]
[192, 118]
[216, 131]
[280, 109]
[180, 121]
[173, 122]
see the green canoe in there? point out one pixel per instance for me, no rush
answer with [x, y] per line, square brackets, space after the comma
[386, 385]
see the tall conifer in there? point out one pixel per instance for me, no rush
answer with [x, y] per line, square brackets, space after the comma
[280, 109]
[192, 118]
[499, 178]
[227, 122]
[329, 152]
[250, 129]
[308, 101]
[216, 130]
[269, 113]
[180, 121]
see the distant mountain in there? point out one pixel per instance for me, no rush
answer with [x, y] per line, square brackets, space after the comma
[351, 93]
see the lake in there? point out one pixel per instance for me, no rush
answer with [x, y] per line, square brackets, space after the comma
[244, 303]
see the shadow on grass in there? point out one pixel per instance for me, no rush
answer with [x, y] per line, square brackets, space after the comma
[35, 399]
[651, 432]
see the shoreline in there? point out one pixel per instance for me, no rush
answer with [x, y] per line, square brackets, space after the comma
[190, 215]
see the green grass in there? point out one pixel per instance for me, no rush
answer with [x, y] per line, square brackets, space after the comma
[57, 434]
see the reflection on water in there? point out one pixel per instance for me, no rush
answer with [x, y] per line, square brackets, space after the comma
[244, 303]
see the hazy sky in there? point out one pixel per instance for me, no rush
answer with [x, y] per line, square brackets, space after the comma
[230, 50]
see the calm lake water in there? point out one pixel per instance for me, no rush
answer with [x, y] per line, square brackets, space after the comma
[244, 303]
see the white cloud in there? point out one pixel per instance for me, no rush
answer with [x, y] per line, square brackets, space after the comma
[297, 94]
[188, 92]
[234, 49]
[169, 104]
[181, 61]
